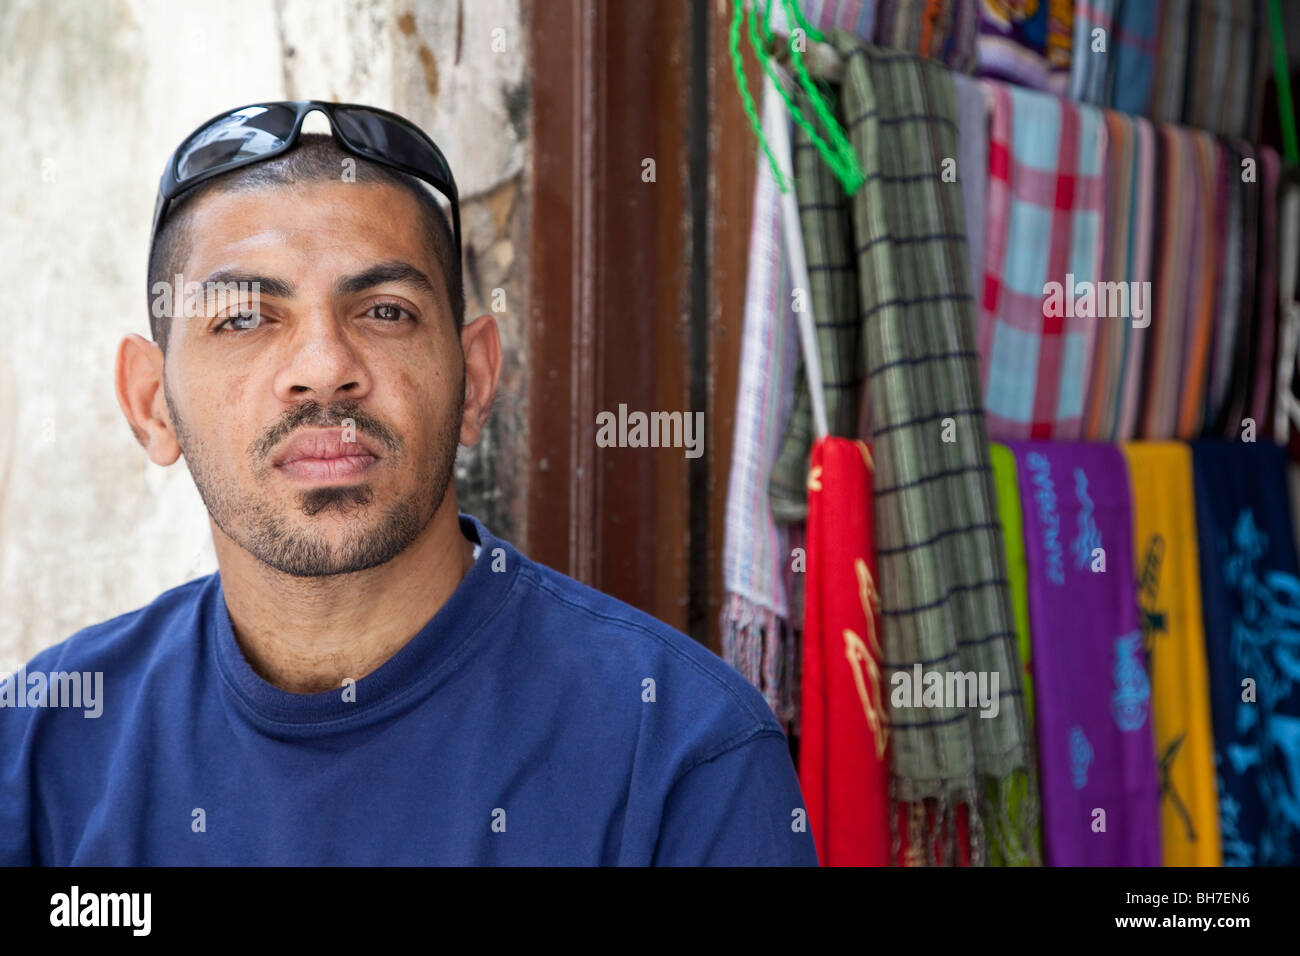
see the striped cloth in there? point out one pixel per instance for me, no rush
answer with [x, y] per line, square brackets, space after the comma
[1171, 61]
[1183, 290]
[1235, 289]
[1111, 410]
[1045, 223]
[1231, 35]
[1091, 66]
[1263, 360]
[945, 599]
[1286, 403]
[1244, 335]
[942, 30]
[1211, 171]
[756, 636]
[1134, 44]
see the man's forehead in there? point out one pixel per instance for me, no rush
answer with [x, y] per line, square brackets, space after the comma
[323, 223]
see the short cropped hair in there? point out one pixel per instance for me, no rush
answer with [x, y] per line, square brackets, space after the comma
[316, 157]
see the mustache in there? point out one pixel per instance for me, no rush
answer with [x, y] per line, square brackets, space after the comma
[312, 414]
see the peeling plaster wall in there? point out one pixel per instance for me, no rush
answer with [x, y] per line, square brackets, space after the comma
[97, 93]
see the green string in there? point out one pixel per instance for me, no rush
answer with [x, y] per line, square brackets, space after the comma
[839, 156]
[844, 161]
[1283, 78]
[739, 66]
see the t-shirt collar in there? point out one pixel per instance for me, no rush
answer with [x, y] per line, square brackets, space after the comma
[442, 645]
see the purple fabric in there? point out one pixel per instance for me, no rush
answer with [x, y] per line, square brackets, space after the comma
[1092, 694]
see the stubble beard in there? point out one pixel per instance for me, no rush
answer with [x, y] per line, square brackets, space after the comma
[273, 537]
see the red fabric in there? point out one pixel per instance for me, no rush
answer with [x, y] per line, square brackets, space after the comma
[842, 750]
[908, 858]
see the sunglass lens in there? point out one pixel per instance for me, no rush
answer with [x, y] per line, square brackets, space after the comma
[254, 131]
[385, 137]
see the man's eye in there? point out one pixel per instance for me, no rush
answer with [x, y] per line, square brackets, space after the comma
[241, 317]
[389, 312]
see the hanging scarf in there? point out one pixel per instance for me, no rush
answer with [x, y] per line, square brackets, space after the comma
[826, 229]
[1177, 341]
[1224, 33]
[1090, 67]
[973, 167]
[1045, 224]
[1211, 163]
[1008, 487]
[1235, 291]
[1169, 595]
[1251, 597]
[1170, 76]
[1142, 251]
[756, 612]
[1246, 338]
[1264, 357]
[1117, 353]
[942, 30]
[823, 214]
[1095, 740]
[1286, 388]
[944, 595]
[1135, 40]
[843, 771]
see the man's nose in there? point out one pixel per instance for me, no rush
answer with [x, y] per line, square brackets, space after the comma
[323, 361]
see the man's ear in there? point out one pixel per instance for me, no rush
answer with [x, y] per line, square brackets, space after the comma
[138, 382]
[482, 347]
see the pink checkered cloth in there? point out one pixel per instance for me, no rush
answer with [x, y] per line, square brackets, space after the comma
[1045, 222]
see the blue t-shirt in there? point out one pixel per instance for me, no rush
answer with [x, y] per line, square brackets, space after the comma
[531, 721]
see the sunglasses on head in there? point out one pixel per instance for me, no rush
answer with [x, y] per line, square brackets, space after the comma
[252, 134]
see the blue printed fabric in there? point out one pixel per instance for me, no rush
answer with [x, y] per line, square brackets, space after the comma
[1251, 596]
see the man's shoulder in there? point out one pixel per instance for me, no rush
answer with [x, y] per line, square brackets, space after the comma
[616, 646]
[131, 637]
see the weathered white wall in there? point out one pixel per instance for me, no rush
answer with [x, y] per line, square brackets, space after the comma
[95, 95]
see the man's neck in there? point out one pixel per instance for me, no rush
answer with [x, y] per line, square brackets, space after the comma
[306, 635]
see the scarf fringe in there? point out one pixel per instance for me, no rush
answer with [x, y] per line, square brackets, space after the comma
[765, 650]
[1002, 824]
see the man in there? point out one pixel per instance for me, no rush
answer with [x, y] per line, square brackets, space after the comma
[370, 677]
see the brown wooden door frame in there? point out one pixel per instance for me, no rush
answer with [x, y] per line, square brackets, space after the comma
[635, 293]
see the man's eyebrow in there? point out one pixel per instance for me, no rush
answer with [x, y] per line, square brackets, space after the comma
[266, 285]
[393, 271]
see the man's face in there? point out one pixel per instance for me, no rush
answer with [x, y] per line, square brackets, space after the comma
[352, 323]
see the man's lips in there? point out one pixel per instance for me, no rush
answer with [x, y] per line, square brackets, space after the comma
[323, 454]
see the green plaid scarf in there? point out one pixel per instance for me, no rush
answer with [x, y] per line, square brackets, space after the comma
[833, 299]
[945, 595]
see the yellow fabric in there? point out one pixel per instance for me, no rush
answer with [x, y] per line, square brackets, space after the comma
[1169, 593]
